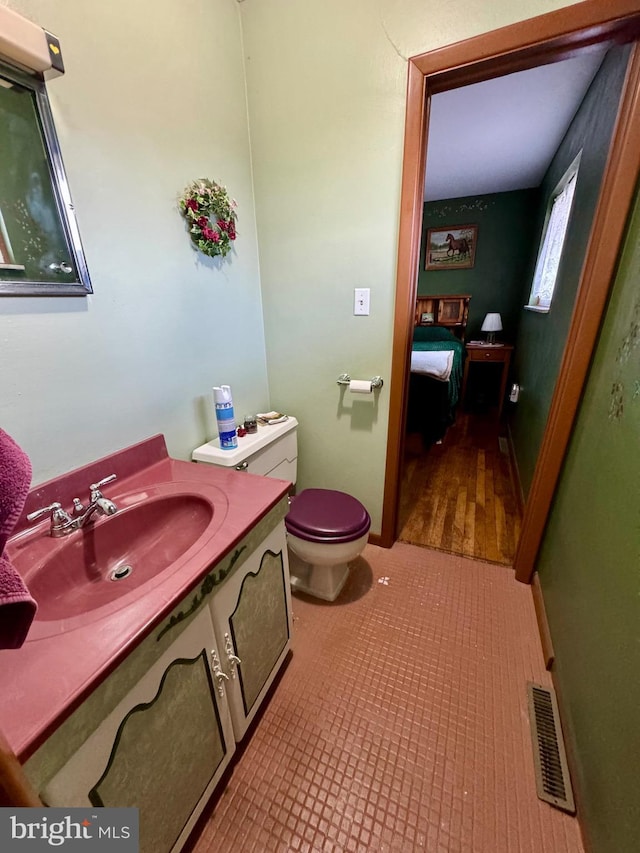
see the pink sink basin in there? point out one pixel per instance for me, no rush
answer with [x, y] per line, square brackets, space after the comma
[99, 566]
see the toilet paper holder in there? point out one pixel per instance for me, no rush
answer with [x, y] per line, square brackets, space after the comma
[345, 379]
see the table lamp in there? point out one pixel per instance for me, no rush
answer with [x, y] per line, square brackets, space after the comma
[491, 324]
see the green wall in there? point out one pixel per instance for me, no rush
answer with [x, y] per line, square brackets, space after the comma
[542, 337]
[589, 573]
[505, 231]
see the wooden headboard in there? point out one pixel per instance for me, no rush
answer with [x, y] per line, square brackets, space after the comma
[449, 311]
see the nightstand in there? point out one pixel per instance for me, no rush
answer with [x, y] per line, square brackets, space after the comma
[486, 354]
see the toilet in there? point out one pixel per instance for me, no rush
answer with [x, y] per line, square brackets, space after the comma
[326, 529]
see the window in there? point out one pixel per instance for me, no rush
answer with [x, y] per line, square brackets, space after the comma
[553, 237]
[40, 249]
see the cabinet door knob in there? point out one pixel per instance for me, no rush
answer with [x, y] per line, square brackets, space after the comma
[218, 674]
[233, 658]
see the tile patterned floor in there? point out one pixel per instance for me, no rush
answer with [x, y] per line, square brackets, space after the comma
[400, 723]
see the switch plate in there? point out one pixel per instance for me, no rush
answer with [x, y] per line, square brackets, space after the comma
[362, 296]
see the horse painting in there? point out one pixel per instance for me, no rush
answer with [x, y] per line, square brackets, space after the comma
[451, 248]
[460, 246]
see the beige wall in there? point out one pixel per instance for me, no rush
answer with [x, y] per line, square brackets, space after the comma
[326, 85]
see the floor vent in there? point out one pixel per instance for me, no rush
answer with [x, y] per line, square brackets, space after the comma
[552, 773]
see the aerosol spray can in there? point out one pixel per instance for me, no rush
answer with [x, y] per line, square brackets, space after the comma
[225, 416]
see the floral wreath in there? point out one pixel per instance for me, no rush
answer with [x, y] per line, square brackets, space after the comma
[211, 216]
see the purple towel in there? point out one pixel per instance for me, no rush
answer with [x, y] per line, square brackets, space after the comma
[17, 608]
[15, 479]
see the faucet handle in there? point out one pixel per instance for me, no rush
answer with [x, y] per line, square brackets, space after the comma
[95, 486]
[55, 509]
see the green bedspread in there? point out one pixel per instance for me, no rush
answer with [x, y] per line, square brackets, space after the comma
[459, 354]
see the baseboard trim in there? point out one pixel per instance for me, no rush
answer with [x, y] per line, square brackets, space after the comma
[515, 472]
[570, 749]
[543, 624]
[375, 539]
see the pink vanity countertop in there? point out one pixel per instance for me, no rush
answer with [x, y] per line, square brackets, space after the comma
[61, 662]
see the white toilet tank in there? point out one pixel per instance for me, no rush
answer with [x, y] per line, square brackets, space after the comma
[271, 452]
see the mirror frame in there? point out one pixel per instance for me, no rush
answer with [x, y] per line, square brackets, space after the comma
[62, 195]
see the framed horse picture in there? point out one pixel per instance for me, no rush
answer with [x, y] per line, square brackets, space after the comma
[452, 248]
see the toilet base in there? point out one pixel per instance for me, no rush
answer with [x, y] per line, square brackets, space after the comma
[324, 582]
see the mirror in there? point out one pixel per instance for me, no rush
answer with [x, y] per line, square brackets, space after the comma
[40, 249]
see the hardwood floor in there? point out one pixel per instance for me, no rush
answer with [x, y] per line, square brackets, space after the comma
[459, 496]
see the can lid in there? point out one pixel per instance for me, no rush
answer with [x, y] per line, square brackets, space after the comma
[222, 393]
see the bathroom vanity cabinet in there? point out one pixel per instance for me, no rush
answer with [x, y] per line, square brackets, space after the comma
[162, 749]
[160, 731]
[251, 614]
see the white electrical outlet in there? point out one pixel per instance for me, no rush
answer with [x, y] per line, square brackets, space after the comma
[361, 300]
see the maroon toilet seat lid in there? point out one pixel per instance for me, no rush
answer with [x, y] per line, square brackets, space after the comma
[326, 515]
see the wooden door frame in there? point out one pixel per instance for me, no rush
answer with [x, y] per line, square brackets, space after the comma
[537, 41]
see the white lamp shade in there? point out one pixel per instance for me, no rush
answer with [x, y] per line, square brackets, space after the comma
[492, 323]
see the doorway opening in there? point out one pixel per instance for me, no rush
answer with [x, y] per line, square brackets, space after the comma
[547, 39]
[494, 153]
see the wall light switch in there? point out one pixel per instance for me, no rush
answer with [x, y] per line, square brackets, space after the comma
[361, 301]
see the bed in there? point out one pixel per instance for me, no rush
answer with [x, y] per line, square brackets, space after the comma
[437, 365]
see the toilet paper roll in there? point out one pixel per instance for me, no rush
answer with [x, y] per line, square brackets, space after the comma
[360, 386]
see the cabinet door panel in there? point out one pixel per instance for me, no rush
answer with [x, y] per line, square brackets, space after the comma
[162, 749]
[252, 620]
[172, 744]
[259, 626]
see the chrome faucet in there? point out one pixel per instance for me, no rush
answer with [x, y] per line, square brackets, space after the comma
[62, 523]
